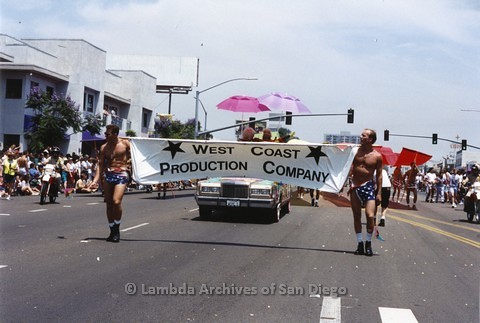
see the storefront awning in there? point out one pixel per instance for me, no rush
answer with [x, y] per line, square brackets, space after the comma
[87, 136]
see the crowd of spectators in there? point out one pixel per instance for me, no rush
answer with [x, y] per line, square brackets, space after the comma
[20, 174]
[442, 185]
[20, 171]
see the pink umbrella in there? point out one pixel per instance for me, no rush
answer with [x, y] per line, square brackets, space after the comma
[242, 103]
[282, 102]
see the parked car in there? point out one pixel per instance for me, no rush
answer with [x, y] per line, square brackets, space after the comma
[223, 193]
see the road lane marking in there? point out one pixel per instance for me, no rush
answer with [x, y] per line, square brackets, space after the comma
[439, 231]
[93, 203]
[5, 214]
[3, 266]
[437, 221]
[134, 227]
[331, 310]
[193, 210]
[394, 315]
[37, 210]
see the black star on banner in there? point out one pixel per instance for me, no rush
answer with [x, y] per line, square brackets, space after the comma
[173, 148]
[316, 152]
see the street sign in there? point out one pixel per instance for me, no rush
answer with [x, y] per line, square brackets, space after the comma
[455, 146]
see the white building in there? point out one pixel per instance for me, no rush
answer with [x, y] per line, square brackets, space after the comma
[466, 158]
[124, 94]
[343, 137]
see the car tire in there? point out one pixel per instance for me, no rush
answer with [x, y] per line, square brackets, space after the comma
[276, 213]
[205, 212]
[287, 207]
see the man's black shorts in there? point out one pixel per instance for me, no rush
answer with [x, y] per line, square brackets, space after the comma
[385, 197]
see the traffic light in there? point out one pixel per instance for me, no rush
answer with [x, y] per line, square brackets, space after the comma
[350, 115]
[464, 144]
[252, 122]
[434, 139]
[288, 118]
[386, 135]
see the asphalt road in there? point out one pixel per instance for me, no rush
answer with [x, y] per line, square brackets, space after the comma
[170, 266]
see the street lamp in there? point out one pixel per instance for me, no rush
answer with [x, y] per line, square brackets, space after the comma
[197, 97]
[205, 112]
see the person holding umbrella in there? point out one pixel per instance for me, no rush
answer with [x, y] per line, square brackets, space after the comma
[248, 134]
[364, 189]
[267, 135]
[398, 183]
[411, 184]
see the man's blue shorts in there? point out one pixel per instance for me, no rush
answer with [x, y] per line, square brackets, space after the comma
[366, 191]
[116, 177]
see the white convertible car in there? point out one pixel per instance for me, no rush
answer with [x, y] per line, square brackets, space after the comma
[242, 193]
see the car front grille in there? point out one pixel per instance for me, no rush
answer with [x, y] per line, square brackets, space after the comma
[237, 191]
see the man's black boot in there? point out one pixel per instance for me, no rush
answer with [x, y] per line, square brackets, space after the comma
[368, 248]
[112, 233]
[116, 233]
[360, 249]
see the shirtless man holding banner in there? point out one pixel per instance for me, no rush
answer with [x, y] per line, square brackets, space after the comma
[364, 190]
[113, 171]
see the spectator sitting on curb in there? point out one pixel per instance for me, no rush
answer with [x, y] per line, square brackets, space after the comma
[81, 184]
[24, 187]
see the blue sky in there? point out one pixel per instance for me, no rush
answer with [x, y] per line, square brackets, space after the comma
[405, 65]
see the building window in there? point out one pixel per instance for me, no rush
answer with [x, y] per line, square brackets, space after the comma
[9, 140]
[88, 103]
[14, 89]
[145, 120]
[33, 85]
[49, 90]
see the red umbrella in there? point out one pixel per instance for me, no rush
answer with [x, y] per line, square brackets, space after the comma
[389, 157]
[408, 156]
[242, 103]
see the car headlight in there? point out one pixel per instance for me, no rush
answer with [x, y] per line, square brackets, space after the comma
[209, 190]
[260, 191]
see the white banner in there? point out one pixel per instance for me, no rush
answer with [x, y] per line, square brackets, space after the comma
[319, 166]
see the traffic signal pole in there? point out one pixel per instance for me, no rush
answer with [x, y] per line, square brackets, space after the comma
[276, 117]
[463, 143]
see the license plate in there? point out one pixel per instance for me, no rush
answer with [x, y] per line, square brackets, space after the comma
[233, 203]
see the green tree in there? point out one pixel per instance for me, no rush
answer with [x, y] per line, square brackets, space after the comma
[130, 133]
[175, 129]
[54, 115]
